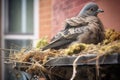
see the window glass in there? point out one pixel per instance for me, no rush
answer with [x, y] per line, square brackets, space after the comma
[20, 16]
[17, 44]
[30, 16]
[14, 16]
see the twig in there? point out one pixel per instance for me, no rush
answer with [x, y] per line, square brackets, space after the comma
[75, 66]
[97, 64]
[100, 55]
[97, 68]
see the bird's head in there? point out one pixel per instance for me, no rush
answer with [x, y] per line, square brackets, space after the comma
[90, 9]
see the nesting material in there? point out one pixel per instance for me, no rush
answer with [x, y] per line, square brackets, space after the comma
[37, 58]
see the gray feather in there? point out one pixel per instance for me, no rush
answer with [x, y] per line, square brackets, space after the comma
[84, 28]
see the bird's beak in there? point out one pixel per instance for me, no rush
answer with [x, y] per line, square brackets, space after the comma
[100, 11]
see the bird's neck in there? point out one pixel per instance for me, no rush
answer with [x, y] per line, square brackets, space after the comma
[83, 15]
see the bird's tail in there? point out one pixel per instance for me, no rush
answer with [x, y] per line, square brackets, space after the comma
[50, 46]
[46, 47]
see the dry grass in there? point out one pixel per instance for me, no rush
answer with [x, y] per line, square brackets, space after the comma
[33, 60]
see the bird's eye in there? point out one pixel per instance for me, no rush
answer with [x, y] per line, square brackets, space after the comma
[91, 9]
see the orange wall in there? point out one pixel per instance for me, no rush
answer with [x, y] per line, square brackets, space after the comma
[45, 18]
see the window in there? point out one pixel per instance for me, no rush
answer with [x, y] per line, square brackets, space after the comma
[19, 16]
[19, 24]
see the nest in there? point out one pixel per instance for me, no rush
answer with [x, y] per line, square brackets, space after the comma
[34, 59]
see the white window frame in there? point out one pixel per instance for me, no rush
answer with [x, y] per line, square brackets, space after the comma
[33, 37]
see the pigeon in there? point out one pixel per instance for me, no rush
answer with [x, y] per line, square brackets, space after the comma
[86, 27]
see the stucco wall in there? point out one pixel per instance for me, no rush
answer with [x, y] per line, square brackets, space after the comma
[111, 16]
